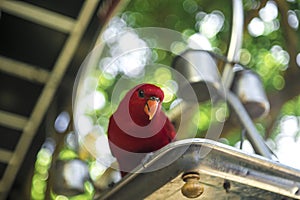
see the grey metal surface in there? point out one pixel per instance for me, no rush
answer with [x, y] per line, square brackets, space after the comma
[200, 69]
[248, 86]
[251, 176]
[236, 41]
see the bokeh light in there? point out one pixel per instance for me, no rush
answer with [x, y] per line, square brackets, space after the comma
[293, 19]
[280, 56]
[298, 59]
[269, 12]
[190, 6]
[267, 22]
[62, 122]
[85, 124]
[40, 177]
[245, 56]
[128, 53]
[198, 41]
[177, 47]
[256, 27]
[221, 113]
[211, 24]
[161, 75]
[99, 99]
[288, 141]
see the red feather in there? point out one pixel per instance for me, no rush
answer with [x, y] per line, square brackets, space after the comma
[131, 133]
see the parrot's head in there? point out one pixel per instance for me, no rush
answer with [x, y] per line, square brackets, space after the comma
[145, 102]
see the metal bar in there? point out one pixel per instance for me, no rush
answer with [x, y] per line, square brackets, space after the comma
[12, 120]
[23, 70]
[1, 2]
[39, 15]
[45, 98]
[254, 137]
[237, 31]
[5, 155]
[235, 41]
[250, 171]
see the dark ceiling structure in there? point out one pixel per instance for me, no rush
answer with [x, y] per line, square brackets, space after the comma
[42, 45]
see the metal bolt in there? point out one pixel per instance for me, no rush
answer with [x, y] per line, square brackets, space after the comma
[192, 188]
[226, 186]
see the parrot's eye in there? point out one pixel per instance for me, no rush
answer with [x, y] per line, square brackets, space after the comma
[141, 94]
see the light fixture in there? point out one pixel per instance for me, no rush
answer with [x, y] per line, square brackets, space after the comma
[248, 87]
[201, 72]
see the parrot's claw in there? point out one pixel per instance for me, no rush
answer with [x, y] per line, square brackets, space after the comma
[147, 157]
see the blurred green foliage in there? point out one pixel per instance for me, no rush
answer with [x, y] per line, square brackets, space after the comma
[265, 45]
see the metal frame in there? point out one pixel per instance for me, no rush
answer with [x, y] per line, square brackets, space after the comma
[12, 120]
[41, 16]
[255, 138]
[235, 41]
[213, 160]
[23, 70]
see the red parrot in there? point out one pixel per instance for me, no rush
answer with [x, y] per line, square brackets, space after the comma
[139, 126]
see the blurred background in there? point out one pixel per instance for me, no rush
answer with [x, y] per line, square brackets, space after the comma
[43, 45]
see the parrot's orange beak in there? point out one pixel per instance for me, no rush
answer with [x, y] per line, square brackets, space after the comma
[151, 107]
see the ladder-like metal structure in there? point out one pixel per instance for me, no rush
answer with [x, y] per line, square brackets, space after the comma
[74, 28]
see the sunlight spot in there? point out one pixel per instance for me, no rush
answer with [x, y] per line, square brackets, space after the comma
[221, 114]
[177, 47]
[110, 34]
[161, 75]
[269, 12]
[289, 125]
[62, 122]
[128, 52]
[74, 172]
[200, 15]
[90, 84]
[198, 41]
[85, 124]
[172, 85]
[256, 27]
[278, 82]
[293, 19]
[245, 56]
[298, 59]
[280, 55]
[168, 94]
[108, 66]
[211, 24]
[287, 142]
[99, 100]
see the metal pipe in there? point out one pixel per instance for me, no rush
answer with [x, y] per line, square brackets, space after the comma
[235, 41]
[254, 137]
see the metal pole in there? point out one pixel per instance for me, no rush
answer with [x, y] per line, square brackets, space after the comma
[235, 41]
[254, 137]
